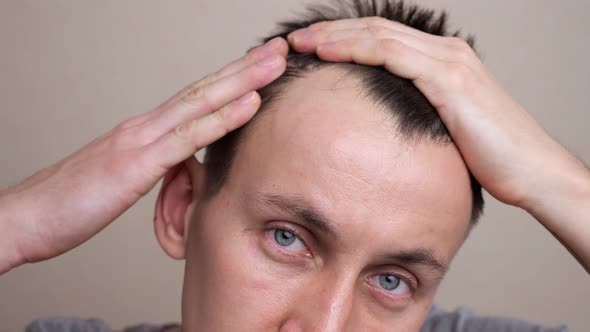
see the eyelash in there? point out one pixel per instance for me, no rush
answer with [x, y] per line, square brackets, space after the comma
[278, 226]
[410, 282]
[291, 229]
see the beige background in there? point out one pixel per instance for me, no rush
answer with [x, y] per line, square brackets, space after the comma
[70, 70]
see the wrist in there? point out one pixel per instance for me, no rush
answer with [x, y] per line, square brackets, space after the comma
[564, 188]
[10, 255]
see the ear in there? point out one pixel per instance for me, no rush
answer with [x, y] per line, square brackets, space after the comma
[181, 189]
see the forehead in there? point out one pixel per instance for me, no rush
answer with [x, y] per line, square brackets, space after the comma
[323, 140]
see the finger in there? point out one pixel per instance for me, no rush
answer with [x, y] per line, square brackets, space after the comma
[442, 82]
[207, 99]
[437, 50]
[275, 46]
[397, 57]
[272, 47]
[187, 139]
[357, 23]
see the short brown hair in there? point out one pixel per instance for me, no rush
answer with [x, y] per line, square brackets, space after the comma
[415, 116]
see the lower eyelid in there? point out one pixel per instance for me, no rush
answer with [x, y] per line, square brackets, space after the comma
[407, 278]
[269, 236]
[388, 298]
[406, 283]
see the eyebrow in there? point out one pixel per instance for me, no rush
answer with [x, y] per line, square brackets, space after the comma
[299, 209]
[419, 257]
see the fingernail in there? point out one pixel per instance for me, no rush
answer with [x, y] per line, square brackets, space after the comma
[269, 61]
[272, 43]
[324, 46]
[247, 98]
[266, 47]
[300, 35]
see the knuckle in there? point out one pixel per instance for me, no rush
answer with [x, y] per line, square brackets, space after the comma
[189, 90]
[195, 95]
[195, 85]
[461, 48]
[124, 125]
[186, 131]
[121, 131]
[452, 39]
[458, 42]
[206, 80]
[389, 45]
[204, 102]
[133, 121]
[376, 31]
[220, 116]
[197, 98]
[375, 21]
[192, 94]
[458, 75]
[397, 25]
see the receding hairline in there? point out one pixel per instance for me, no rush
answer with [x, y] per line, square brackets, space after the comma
[351, 72]
[418, 118]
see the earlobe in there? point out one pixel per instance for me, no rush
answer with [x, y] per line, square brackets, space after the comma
[179, 193]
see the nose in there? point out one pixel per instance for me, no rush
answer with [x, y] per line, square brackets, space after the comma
[325, 307]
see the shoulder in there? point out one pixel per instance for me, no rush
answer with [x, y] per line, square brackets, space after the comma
[62, 324]
[464, 320]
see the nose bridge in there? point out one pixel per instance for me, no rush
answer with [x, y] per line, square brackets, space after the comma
[334, 299]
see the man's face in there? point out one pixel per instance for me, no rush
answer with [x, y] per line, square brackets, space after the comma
[328, 221]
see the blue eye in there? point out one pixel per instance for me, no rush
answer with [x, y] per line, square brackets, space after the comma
[389, 282]
[288, 240]
[284, 238]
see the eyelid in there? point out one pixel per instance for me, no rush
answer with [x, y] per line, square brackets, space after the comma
[295, 230]
[386, 298]
[405, 276]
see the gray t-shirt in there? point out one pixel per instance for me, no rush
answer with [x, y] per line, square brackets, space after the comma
[438, 320]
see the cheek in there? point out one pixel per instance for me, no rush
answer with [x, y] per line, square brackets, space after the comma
[230, 281]
[256, 276]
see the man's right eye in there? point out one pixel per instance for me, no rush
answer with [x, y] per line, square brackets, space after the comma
[288, 240]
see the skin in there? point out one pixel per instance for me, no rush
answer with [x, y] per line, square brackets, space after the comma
[108, 175]
[508, 152]
[395, 193]
[502, 145]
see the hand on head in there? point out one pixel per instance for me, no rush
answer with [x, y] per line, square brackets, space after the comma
[484, 121]
[67, 203]
[500, 142]
[504, 147]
